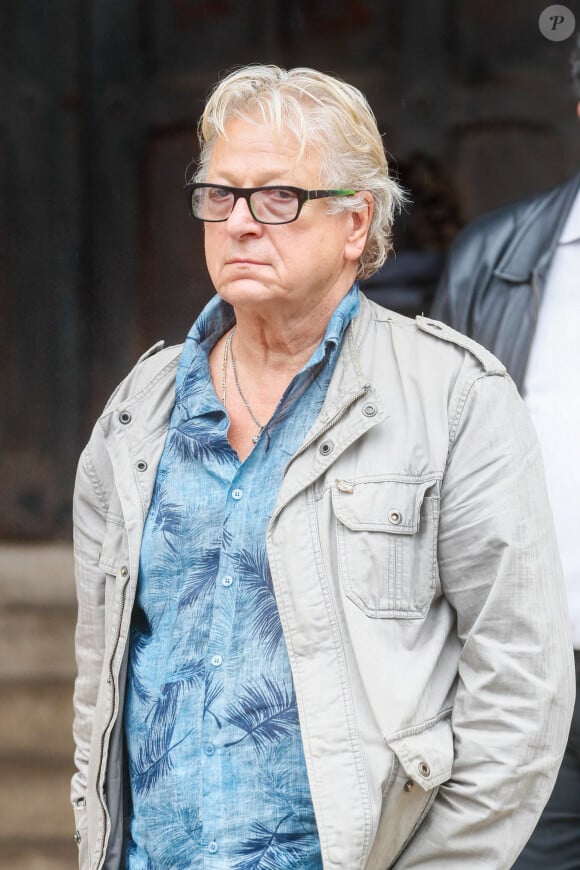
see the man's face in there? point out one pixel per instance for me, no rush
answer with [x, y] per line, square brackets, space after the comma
[295, 265]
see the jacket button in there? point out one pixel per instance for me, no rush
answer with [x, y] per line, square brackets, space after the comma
[424, 769]
[124, 571]
[408, 785]
[370, 409]
[125, 417]
[78, 838]
[326, 447]
[141, 465]
[395, 517]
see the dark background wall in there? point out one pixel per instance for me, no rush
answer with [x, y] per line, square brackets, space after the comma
[99, 101]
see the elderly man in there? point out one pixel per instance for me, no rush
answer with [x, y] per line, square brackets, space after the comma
[321, 615]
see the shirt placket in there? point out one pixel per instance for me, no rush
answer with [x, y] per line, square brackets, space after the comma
[218, 675]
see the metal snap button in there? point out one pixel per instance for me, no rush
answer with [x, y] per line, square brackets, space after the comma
[424, 769]
[408, 785]
[326, 447]
[395, 517]
[370, 409]
[141, 465]
[78, 838]
[124, 571]
[125, 417]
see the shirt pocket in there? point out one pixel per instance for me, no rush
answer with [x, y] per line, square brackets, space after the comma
[386, 531]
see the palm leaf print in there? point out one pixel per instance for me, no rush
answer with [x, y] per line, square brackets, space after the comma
[196, 439]
[140, 637]
[265, 714]
[200, 578]
[278, 780]
[168, 519]
[173, 834]
[168, 566]
[213, 692]
[255, 568]
[166, 515]
[273, 849]
[154, 758]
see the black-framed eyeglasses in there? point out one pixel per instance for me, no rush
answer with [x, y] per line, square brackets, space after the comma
[273, 204]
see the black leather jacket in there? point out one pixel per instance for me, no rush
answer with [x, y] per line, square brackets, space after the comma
[495, 274]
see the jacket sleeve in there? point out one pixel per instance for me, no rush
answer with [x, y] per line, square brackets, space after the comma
[499, 568]
[89, 512]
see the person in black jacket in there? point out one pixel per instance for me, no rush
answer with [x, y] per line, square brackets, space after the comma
[512, 282]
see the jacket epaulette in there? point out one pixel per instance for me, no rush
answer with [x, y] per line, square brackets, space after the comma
[440, 330]
[148, 368]
[155, 348]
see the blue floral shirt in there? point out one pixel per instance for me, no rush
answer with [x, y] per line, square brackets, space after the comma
[217, 771]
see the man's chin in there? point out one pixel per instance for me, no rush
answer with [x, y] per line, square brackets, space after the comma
[245, 291]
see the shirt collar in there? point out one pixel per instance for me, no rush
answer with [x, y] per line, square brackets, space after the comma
[218, 316]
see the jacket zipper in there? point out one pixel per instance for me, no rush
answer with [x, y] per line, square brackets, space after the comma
[332, 422]
[105, 733]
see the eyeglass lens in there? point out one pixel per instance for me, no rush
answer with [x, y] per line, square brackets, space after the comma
[274, 205]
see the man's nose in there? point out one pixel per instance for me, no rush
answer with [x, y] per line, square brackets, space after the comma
[241, 216]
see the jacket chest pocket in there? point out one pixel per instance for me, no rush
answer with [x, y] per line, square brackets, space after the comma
[387, 544]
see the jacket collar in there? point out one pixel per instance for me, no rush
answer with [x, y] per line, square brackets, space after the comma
[538, 227]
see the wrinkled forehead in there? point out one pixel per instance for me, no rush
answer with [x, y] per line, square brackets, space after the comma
[250, 140]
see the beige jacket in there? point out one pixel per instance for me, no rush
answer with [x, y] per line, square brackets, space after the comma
[420, 592]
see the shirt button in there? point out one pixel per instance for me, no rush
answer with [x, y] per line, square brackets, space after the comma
[216, 661]
[227, 580]
[209, 749]
[237, 494]
[212, 847]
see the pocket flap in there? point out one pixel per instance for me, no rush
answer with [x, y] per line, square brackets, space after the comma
[426, 754]
[380, 505]
[113, 548]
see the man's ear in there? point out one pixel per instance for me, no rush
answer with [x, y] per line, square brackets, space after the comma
[360, 225]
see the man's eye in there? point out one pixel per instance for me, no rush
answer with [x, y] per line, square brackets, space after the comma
[280, 194]
[218, 194]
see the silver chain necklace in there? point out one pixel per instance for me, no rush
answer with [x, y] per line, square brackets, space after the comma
[228, 350]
